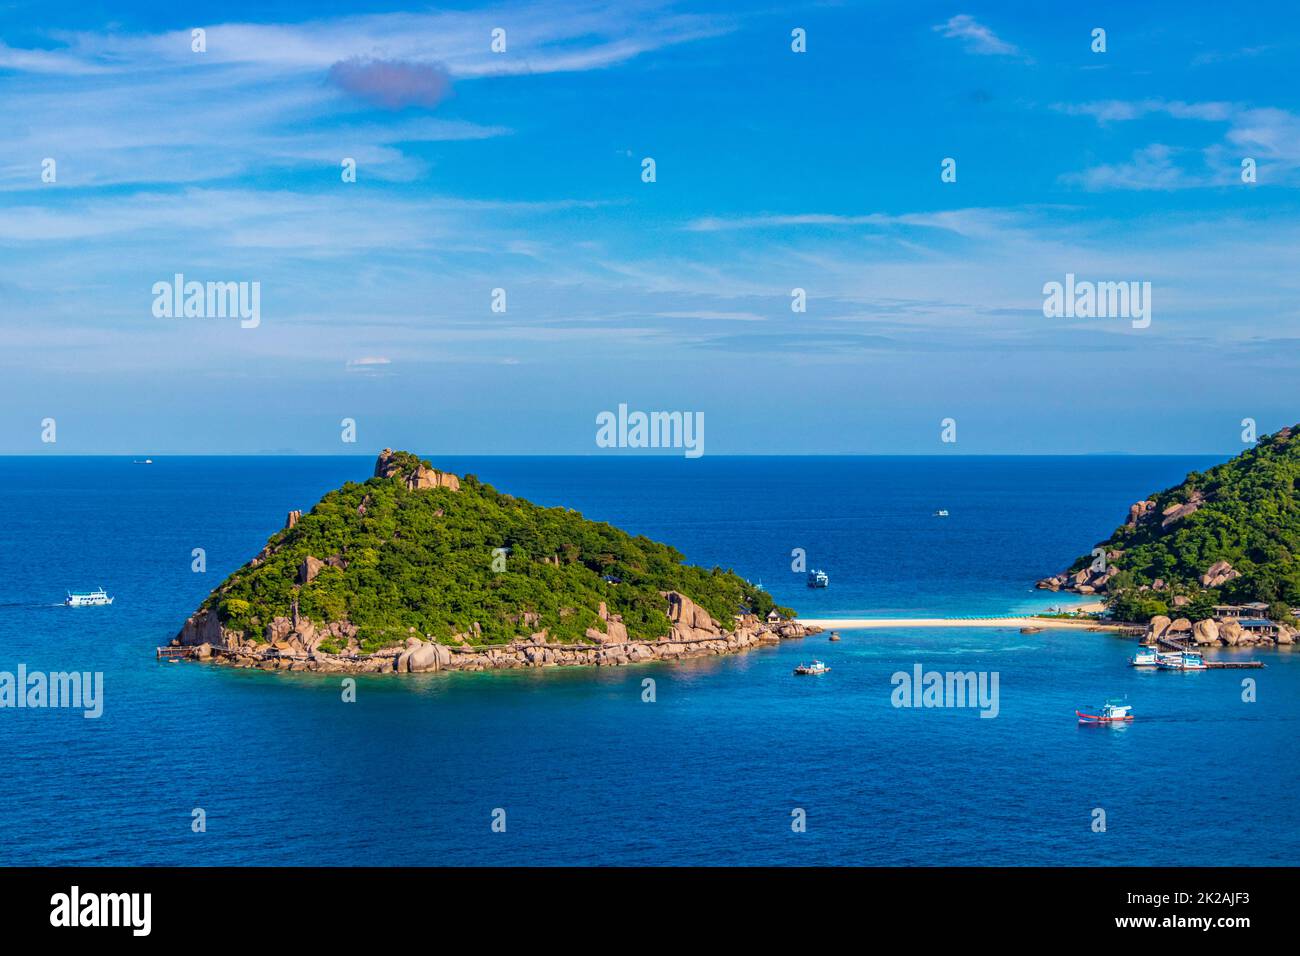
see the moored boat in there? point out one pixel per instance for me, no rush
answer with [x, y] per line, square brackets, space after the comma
[816, 667]
[818, 579]
[1184, 661]
[1112, 712]
[1146, 657]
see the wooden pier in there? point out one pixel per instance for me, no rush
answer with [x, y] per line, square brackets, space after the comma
[171, 652]
[1248, 664]
[1186, 644]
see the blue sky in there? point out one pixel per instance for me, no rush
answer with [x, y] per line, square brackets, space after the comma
[522, 170]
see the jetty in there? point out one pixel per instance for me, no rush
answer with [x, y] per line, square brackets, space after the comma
[1180, 644]
[1226, 664]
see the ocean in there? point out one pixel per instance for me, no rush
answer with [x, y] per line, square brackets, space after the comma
[721, 767]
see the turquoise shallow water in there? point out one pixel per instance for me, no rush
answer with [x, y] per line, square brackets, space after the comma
[587, 772]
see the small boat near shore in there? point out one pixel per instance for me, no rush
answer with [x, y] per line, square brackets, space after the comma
[87, 599]
[1184, 661]
[1112, 712]
[1146, 657]
[816, 667]
[818, 579]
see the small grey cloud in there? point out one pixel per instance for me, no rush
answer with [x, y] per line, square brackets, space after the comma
[392, 84]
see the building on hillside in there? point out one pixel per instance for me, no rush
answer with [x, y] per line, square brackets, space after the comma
[1259, 625]
[1235, 612]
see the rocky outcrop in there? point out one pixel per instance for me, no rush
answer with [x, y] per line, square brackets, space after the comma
[1139, 511]
[615, 631]
[308, 570]
[1177, 512]
[1230, 633]
[1209, 633]
[204, 627]
[694, 634]
[416, 476]
[1084, 581]
[291, 519]
[1088, 581]
[421, 656]
[1205, 632]
[689, 620]
[790, 630]
[1218, 574]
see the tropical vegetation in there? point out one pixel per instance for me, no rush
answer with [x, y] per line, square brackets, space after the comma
[473, 562]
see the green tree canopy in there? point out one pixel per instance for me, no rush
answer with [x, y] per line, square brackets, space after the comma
[429, 559]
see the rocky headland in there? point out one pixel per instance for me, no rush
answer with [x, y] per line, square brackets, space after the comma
[298, 606]
[1210, 561]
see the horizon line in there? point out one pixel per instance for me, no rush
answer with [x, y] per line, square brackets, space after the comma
[620, 456]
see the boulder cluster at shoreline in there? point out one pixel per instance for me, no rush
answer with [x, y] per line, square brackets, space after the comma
[298, 647]
[1215, 633]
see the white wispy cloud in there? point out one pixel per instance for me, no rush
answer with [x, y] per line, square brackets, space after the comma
[288, 94]
[541, 38]
[723, 224]
[1152, 167]
[1111, 111]
[975, 36]
[1268, 135]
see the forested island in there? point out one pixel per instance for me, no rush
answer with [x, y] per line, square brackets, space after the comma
[1222, 544]
[417, 569]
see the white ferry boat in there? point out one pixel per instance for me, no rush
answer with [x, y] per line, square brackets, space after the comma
[1145, 657]
[87, 598]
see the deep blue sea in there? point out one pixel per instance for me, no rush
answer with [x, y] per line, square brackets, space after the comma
[588, 773]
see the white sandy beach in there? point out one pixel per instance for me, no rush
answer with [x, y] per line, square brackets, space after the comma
[855, 623]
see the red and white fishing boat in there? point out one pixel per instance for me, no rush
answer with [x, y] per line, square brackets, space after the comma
[1113, 712]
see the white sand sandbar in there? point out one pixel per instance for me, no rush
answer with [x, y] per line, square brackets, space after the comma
[855, 623]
